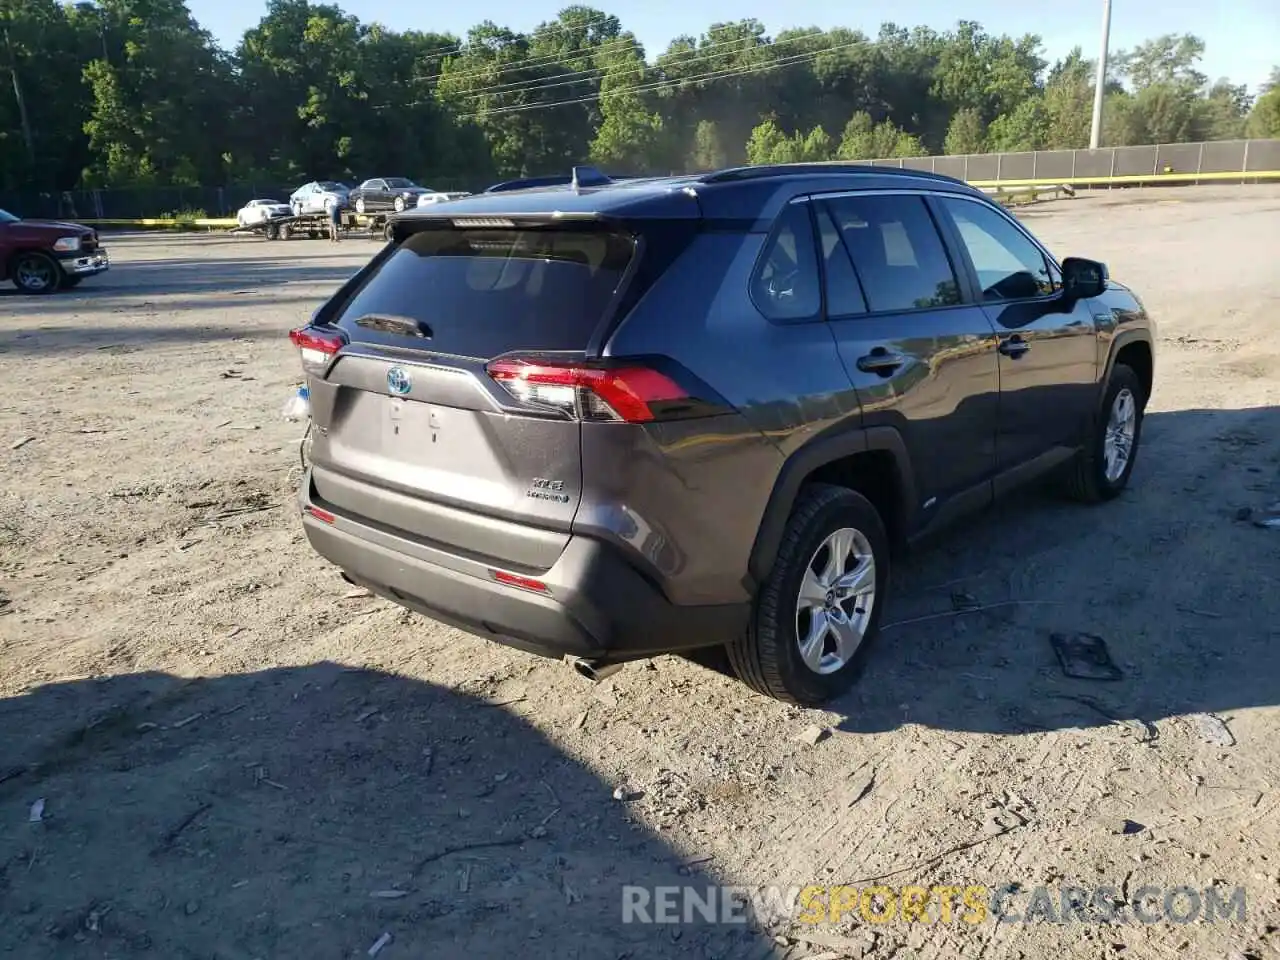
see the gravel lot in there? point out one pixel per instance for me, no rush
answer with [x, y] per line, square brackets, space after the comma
[239, 760]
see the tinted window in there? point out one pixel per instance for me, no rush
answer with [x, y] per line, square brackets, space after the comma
[896, 250]
[785, 283]
[1009, 266]
[844, 295]
[399, 183]
[480, 293]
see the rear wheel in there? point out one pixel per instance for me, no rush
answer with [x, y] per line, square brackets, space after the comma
[399, 204]
[285, 231]
[388, 231]
[35, 272]
[819, 611]
[1103, 469]
[360, 205]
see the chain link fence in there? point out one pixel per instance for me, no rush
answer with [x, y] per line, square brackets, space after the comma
[1218, 157]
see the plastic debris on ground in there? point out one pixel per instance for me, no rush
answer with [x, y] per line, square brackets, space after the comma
[1084, 656]
[299, 405]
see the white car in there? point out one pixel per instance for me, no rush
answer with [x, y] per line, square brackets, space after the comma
[311, 197]
[427, 199]
[260, 211]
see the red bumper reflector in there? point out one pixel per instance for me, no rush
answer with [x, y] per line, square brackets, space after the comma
[324, 516]
[514, 580]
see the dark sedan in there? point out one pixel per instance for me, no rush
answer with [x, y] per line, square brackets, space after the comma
[386, 193]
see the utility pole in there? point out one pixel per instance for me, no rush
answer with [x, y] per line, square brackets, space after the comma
[1099, 87]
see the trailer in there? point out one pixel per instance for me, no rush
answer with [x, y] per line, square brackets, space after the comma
[313, 226]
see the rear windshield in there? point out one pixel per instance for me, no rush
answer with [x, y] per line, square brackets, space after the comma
[480, 293]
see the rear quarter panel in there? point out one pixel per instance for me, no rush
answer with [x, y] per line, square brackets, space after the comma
[702, 485]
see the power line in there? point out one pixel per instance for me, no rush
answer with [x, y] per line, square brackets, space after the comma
[584, 75]
[546, 59]
[551, 30]
[667, 84]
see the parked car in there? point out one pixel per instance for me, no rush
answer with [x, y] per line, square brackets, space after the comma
[41, 256]
[427, 199]
[606, 421]
[386, 193]
[260, 211]
[312, 197]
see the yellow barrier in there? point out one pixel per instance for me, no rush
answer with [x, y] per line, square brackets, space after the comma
[149, 222]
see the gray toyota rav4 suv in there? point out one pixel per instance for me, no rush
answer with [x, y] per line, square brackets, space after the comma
[604, 420]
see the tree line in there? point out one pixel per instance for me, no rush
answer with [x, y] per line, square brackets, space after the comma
[129, 93]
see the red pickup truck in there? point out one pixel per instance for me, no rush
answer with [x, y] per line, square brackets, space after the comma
[41, 256]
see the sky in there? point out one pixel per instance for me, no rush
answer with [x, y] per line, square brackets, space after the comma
[1242, 37]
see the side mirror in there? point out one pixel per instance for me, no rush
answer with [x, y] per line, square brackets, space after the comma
[1083, 278]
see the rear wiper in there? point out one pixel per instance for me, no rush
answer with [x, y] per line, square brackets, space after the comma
[403, 326]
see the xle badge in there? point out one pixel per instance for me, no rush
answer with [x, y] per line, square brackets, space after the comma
[552, 490]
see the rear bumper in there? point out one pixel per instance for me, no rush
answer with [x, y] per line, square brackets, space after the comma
[85, 264]
[595, 605]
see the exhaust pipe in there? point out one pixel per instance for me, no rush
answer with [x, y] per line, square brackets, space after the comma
[593, 670]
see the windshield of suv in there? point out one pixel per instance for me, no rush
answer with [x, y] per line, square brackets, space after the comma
[399, 183]
[7, 217]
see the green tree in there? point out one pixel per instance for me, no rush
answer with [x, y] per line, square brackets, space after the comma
[708, 150]
[1025, 128]
[865, 140]
[1264, 119]
[1168, 60]
[1223, 112]
[630, 132]
[162, 95]
[765, 142]
[967, 133]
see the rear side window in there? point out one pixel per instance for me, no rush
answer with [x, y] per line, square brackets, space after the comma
[480, 293]
[896, 250]
[785, 283]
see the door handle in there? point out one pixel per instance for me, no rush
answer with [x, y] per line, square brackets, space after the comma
[1014, 347]
[881, 361]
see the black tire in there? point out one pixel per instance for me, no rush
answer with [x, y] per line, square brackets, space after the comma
[360, 205]
[284, 232]
[398, 204]
[272, 231]
[389, 232]
[767, 658]
[35, 272]
[1086, 480]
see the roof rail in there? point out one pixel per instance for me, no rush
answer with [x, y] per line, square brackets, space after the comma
[819, 169]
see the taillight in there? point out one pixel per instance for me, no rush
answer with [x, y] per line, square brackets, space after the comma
[632, 393]
[316, 347]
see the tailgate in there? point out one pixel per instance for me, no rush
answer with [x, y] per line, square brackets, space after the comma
[413, 435]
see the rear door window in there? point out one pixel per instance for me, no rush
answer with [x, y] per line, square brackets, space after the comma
[896, 250]
[483, 292]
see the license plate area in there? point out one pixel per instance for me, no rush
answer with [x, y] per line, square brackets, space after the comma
[410, 431]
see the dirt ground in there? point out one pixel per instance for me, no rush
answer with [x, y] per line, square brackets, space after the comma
[238, 759]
